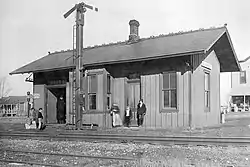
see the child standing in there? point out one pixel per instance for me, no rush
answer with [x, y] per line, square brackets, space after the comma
[40, 120]
[127, 116]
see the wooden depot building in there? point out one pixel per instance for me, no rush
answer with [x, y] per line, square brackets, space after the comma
[177, 75]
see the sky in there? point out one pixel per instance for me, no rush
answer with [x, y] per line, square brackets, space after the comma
[31, 28]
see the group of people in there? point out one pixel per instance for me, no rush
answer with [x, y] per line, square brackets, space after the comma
[116, 119]
[36, 120]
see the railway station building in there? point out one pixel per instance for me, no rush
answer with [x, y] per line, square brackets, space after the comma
[177, 75]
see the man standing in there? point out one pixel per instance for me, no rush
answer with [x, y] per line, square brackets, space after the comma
[141, 112]
[61, 114]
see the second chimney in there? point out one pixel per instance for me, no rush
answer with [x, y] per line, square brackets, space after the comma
[134, 30]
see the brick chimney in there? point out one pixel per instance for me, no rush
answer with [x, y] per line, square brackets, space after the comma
[134, 30]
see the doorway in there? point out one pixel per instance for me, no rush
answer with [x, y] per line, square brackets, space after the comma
[134, 95]
[53, 96]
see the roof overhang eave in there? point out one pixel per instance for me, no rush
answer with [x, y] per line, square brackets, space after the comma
[43, 70]
[146, 59]
[112, 62]
[231, 45]
[234, 53]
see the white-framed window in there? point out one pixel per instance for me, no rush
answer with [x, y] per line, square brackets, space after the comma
[169, 90]
[92, 92]
[207, 90]
[243, 77]
[108, 91]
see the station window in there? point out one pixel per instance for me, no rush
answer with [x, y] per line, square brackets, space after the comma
[243, 77]
[92, 91]
[83, 94]
[207, 90]
[108, 91]
[169, 90]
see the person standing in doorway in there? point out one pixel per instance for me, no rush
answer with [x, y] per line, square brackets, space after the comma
[127, 116]
[61, 114]
[141, 112]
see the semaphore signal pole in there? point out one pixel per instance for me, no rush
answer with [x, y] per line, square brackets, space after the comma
[80, 8]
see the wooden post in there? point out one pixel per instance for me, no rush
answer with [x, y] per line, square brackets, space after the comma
[79, 66]
[71, 112]
[244, 101]
[80, 10]
[11, 110]
[190, 91]
[67, 102]
[105, 97]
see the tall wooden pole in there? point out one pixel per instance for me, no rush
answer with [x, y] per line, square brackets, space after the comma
[80, 10]
[79, 65]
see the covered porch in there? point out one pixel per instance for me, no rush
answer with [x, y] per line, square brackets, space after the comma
[240, 99]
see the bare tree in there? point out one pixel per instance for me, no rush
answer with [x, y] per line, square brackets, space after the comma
[4, 87]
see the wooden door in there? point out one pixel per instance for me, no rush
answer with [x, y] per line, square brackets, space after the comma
[51, 107]
[41, 101]
[134, 92]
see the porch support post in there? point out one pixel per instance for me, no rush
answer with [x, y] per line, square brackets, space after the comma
[71, 118]
[190, 91]
[105, 98]
[244, 101]
[11, 110]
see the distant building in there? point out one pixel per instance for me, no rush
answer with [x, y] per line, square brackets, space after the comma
[240, 86]
[177, 75]
[13, 106]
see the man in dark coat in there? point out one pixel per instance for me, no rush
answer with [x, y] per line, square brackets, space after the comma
[61, 114]
[141, 112]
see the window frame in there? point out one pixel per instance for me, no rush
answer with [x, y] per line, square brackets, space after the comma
[207, 92]
[92, 93]
[245, 77]
[161, 93]
[109, 91]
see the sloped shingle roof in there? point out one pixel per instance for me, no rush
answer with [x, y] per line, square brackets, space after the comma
[147, 48]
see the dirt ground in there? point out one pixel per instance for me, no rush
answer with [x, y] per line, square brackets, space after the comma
[237, 125]
[147, 155]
